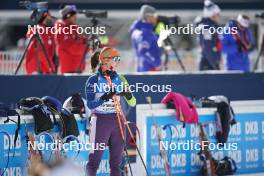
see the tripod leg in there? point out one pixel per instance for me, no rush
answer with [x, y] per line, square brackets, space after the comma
[258, 59]
[179, 60]
[168, 40]
[166, 60]
[23, 56]
[78, 70]
[45, 52]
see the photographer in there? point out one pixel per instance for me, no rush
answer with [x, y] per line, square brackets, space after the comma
[70, 44]
[144, 40]
[210, 43]
[36, 61]
[237, 46]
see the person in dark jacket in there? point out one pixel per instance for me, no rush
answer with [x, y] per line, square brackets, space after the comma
[210, 42]
[237, 46]
[144, 40]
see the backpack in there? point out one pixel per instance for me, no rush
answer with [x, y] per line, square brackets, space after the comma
[68, 122]
[225, 166]
[36, 107]
[75, 104]
[225, 116]
[185, 110]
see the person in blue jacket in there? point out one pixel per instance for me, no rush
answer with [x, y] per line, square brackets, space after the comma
[144, 40]
[105, 128]
[210, 42]
[237, 45]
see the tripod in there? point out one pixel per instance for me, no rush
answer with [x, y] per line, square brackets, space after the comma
[168, 43]
[261, 52]
[38, 38]
[96, 43]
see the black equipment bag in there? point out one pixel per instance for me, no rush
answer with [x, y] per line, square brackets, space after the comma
[226, 166]
[225, 116]
[76, 104]
[69, 124]
[40, 112]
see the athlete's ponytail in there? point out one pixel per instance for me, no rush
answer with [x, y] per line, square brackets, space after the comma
[95, 60]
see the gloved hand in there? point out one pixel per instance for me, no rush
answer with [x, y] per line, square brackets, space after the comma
[108, 95]
[126, 94]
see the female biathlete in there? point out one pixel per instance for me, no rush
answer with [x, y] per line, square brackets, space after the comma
[103, 92]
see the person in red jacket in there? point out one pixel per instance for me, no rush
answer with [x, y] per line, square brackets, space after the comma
[36, 61]
[70, 44]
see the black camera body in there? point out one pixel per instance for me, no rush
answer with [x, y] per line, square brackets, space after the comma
[260, 15]
[174, 20]
[93, 14]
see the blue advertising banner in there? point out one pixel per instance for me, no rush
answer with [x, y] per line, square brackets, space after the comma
[245, 144]
[17, 164]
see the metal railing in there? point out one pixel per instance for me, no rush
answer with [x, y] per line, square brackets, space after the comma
[9, 61]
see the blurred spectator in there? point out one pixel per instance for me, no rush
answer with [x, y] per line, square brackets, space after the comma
[210, 42]
[144, 40]
[70, 44]
[21, 44]
[237, 46]
[60, 167]
[36, 61]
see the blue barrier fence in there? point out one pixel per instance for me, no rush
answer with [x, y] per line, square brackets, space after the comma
[18, 164]
[247, 86]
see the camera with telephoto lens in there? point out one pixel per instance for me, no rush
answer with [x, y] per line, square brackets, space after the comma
[93, 14]
[260, 15]
[41, 6]
[174, 20]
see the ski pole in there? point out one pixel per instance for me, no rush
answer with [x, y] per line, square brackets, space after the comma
[132, 137]
[119, 109]
[162, 150]
[119, 123]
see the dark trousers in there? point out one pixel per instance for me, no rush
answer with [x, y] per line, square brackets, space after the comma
[206, 65]
[105, 130]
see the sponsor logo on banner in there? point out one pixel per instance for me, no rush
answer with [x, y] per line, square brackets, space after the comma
[178, 160]
[236, 155]
[194, 131]
[12, 137]
[13, 171]
[235, 130]
[154, 132]
[251, 127]
[251, 155]
[195, 160]
[156, 162]
[235, 133]
[179, 132]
